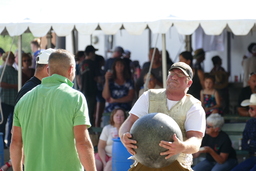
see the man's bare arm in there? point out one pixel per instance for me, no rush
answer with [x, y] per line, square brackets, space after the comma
[16, 148]
[190, 146]
[125, 135]
[84, 147]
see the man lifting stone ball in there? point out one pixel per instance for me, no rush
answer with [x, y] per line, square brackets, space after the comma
[182, 107]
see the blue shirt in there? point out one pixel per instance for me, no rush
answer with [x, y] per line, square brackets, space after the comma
[249, 136]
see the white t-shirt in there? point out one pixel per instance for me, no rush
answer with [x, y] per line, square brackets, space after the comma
[108, 133]
[195, 120]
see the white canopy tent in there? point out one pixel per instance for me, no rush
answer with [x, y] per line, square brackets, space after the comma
[133, 15]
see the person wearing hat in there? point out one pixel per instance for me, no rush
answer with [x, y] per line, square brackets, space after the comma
[249, 64]
[249, 137]
[36, 49]
[52, 120]
[117, 53]
[245, 93]
[89, 74]
[182, 107]
[40, 73]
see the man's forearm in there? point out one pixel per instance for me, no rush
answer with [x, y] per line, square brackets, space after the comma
[126, 126]
[192, 145]
[86, 155]
[16, 156]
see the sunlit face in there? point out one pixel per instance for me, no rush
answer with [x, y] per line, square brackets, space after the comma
[177, 80]
[208, 83]
[252, 111]
[119, 117]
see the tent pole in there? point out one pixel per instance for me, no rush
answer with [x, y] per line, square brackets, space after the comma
[49, 39]
[229, 52]
[19, 63]
[164, 63]
[188, 43]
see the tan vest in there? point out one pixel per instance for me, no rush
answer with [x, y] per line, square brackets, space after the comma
[158, 104]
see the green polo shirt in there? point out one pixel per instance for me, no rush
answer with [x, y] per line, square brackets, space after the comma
[47, 115]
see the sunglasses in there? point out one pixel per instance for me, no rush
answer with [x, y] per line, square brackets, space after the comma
[180, 75]
[208, 126]
[251, 108]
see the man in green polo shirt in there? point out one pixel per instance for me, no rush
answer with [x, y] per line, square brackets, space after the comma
[50, 123]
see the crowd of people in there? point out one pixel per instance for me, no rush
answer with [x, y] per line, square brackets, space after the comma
[66, 93]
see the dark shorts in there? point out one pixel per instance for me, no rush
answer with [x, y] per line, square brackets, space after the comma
[99, 97]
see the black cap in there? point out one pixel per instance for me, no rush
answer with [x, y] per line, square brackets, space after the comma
[250, 47]
[90, 48]
[185, 68]
[2, 51]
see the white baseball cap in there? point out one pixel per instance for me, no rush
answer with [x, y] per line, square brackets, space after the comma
[43, 57]
[251, 101]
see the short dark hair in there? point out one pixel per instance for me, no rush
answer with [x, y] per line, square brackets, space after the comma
[209, 76]
[187, 55]
[216, 59]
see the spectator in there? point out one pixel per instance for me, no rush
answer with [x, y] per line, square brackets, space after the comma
[245, 93]
[198, 78]
[9, 90]
[152, 84]
[249, 137]
[79, 57]
[16, 63]
[137, 70]
[117, 53]
[217, 145]
[1, 54]
[41, 125]
[89, 74]
[35, 48]
[168, 58]
[27, 72]
[199, 56]
[118, 90]
[103, 157]
[100, 105]
[209, 96]
[249, 65]
[221, 82]
[40, 73]
[156, 69]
